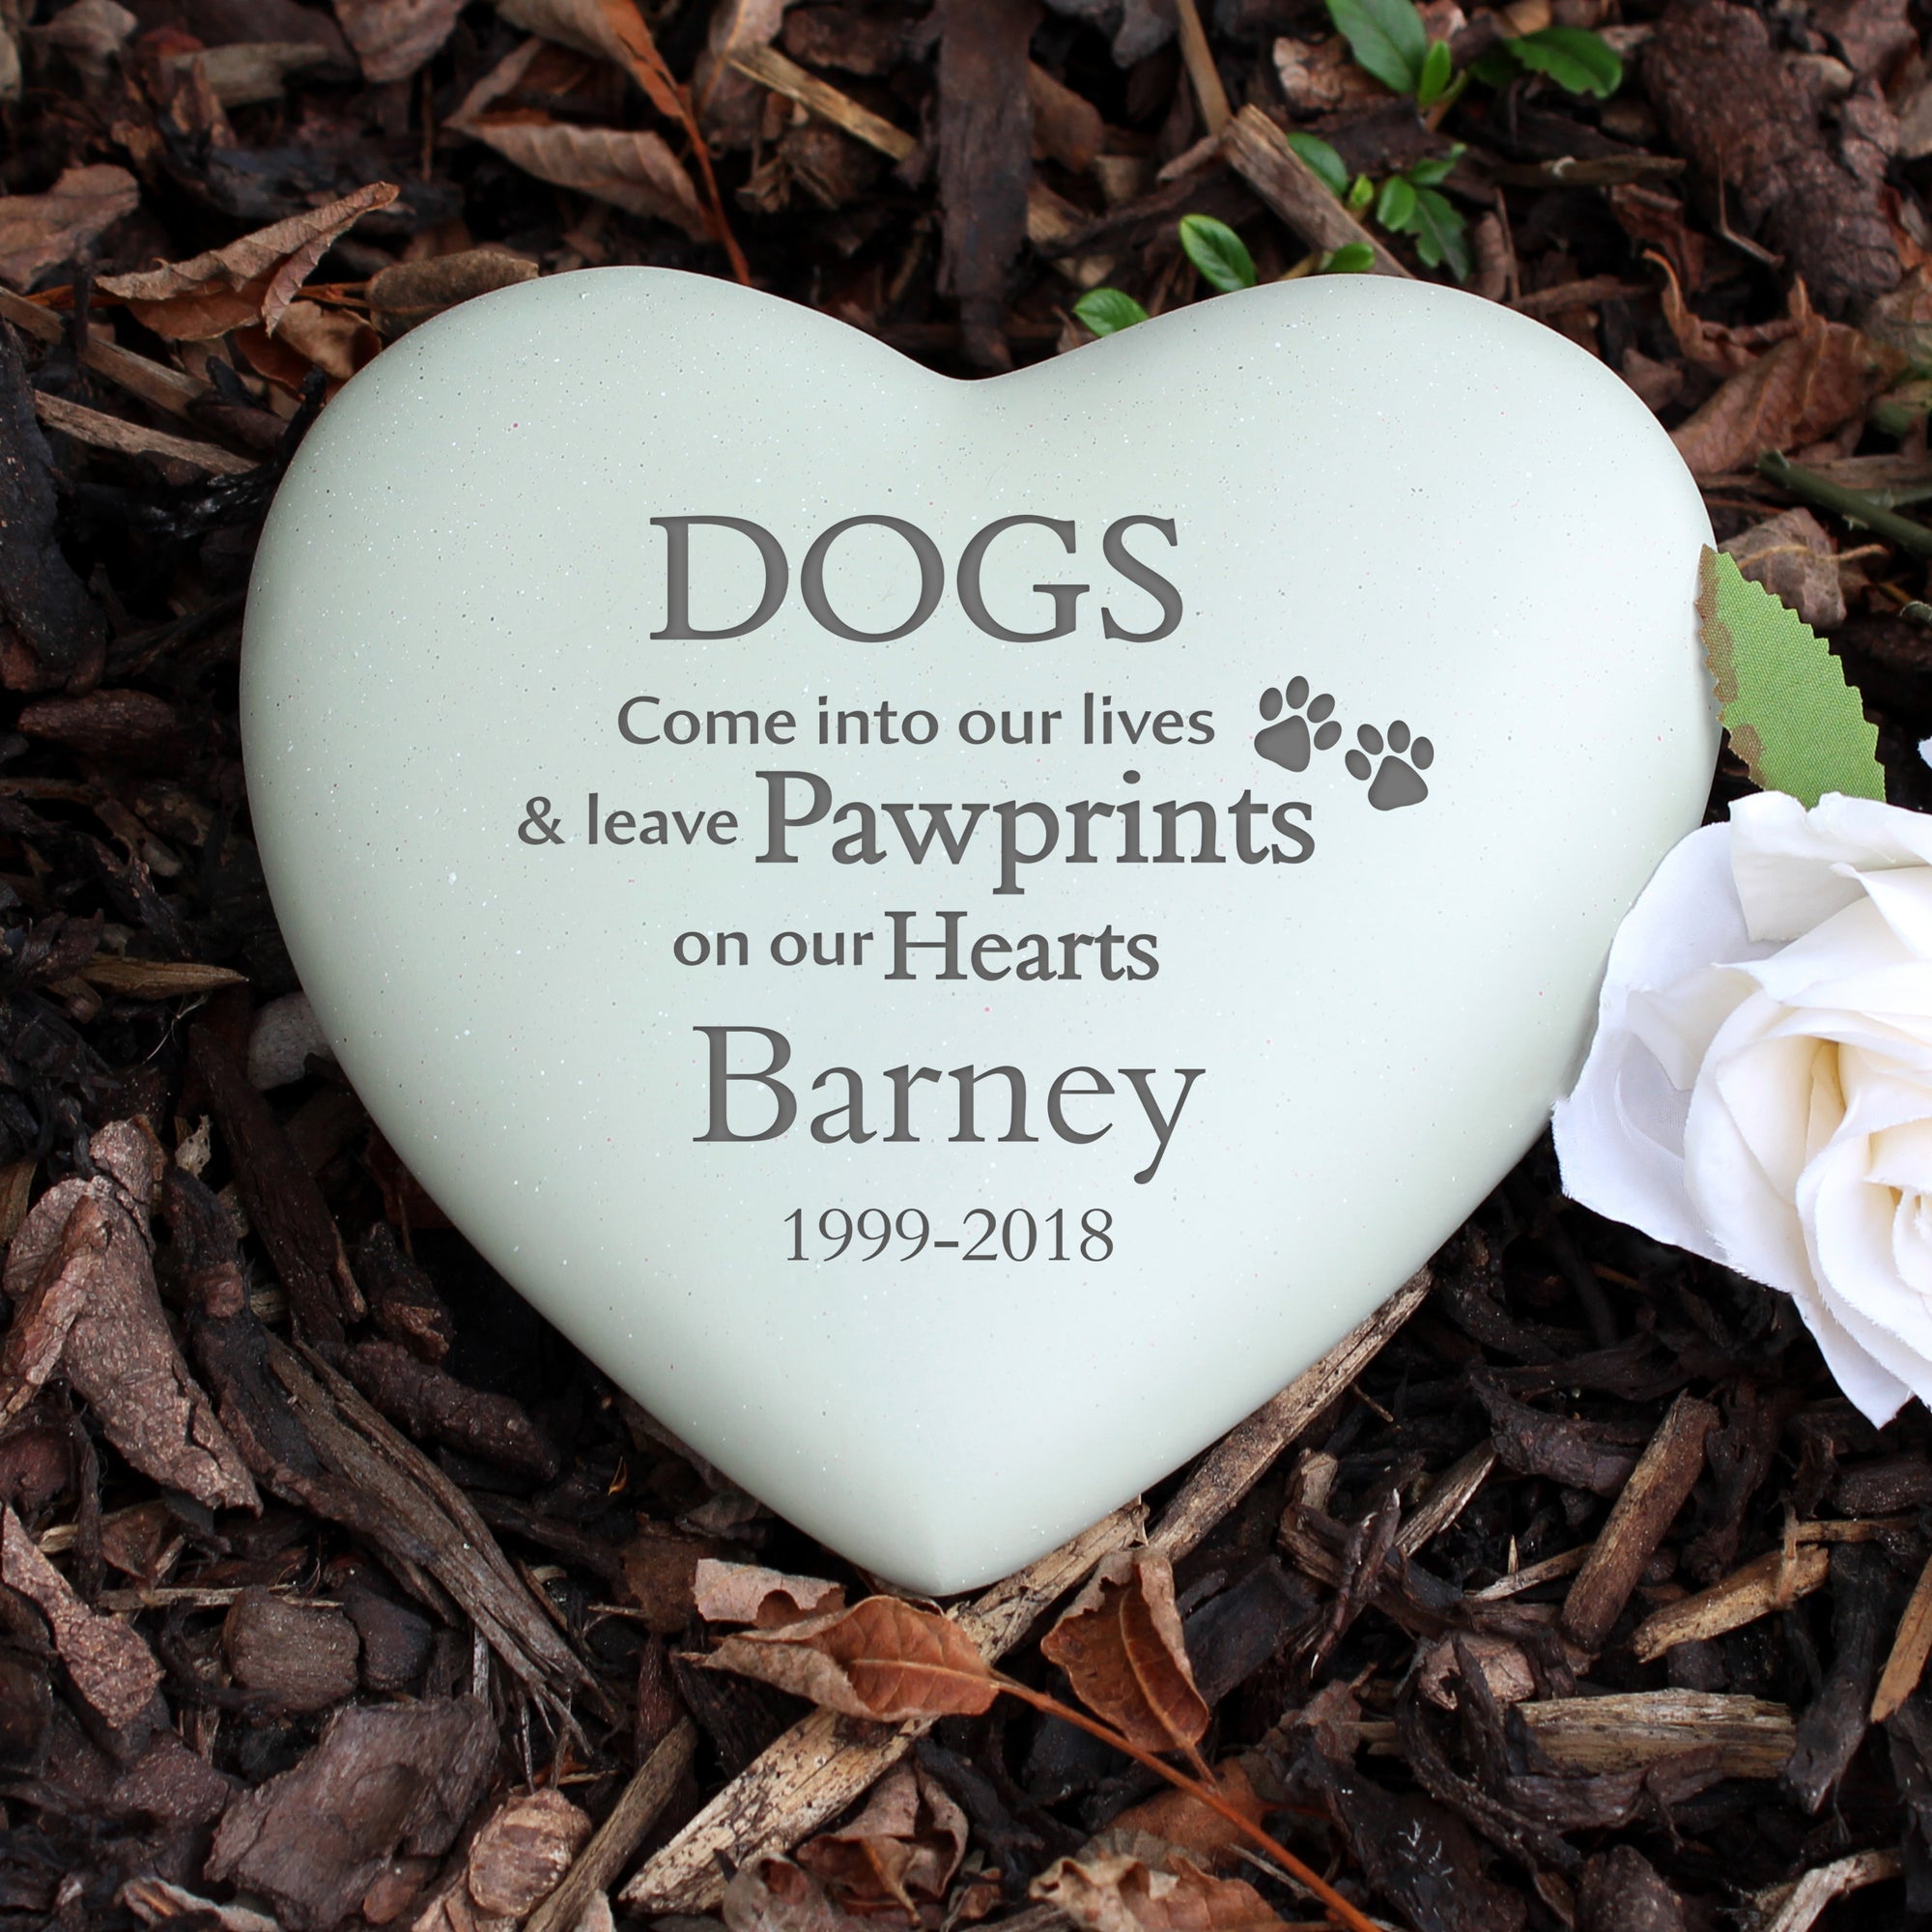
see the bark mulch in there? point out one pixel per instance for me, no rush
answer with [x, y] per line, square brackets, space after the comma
[335, 1588]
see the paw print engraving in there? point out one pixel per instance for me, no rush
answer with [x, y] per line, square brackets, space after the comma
[1397, 780]
[1289, 742]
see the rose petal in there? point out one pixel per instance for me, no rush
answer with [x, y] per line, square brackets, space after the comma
[1620, 1134]
[1792, 869]
[1904, 899]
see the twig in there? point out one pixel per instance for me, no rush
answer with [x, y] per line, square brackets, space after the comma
[1200, 69]
[770, 69]
[101, 431]
[1257, 150]
[1853, 506]
[1200, 1789]
[633, 1814]
[1238, 1461]
[153, 381]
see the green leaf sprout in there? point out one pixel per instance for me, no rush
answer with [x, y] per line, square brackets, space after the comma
[1108, 311]
[1220, 254]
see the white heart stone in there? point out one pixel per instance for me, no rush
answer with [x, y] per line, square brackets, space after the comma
[1435, 510]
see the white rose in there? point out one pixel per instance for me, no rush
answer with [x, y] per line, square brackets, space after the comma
[1759, 1090]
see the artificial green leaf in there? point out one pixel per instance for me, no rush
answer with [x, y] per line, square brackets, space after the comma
[1573, 57]
[1396, 207]
[1108, 311]
[1496, 67]
[1793, 720]
[1218, 252]
[1322, 158]
[1438, 69]
[1352, 258]
[1386, 37]
[1442, 234]
[1361, 191]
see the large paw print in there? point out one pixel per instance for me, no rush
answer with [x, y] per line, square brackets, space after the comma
[1397, 780]
[1288, 743]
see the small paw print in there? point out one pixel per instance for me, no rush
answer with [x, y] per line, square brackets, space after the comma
[1399, 780]
[1288, 743]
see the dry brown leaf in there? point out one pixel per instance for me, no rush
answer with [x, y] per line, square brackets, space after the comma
[509, 75]
[111, 1668]
[1181, 1819]
[1654, 219]
[1121, 1647]
[118, 1352]
[337, 341]
[39, 232]
[746, 1593]
[393, 38]
[1807, 387]
[1123, 1894]
[251, 280]
[898, 1852]
[411, 292]
[729, 103]
[776, 1895]
[1711, 345]
[630, 168]
[1791, 556]
[881, 1658]
[1903, 319]
[614, 30]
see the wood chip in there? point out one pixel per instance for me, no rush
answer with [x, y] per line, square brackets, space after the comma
[398, 1777]
[1639, 1520]
[1451, 1495]
[1797, 1907]
[770, 68]
[1771, 1583]
[1259, 152]
[301, 1655]
[1631, 1730]
[100, 430]
[110, 1664]
[1910, 1648]
[398, 1499]
[522, 1851]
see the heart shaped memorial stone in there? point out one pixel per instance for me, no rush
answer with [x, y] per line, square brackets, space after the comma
[956, 935]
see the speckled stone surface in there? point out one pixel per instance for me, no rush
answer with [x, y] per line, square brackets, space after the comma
[1338, 998]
